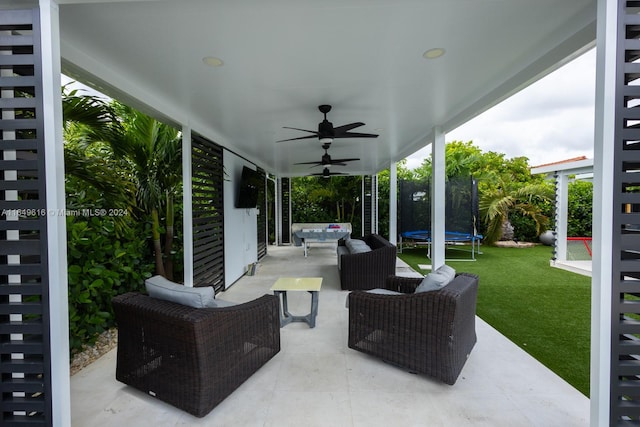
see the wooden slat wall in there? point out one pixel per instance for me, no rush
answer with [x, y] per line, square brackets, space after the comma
[208, 213]
[262, 217]
[25, 361]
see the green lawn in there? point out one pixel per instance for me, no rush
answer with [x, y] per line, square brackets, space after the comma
[544, 310]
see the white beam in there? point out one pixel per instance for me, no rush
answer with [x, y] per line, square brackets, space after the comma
[393, 203]
[603, 212]
[438, 180]
[56, 224]
[187, 206]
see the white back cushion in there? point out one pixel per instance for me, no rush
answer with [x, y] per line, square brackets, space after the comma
[162, 288]
[437, 280]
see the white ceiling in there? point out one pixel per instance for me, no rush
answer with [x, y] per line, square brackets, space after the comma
[283, 58]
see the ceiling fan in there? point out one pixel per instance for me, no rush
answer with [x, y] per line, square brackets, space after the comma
[327, 160]
[326, 133]
[326, 173]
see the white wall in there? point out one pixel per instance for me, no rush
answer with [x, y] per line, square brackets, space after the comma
[240, 225]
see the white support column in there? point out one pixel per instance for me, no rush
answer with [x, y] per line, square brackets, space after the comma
[393, 203]
[56, 225]
[562, 210]
[376, 205]
[363, 198]
[278, 212]
[603, 173]
[438, 180]
[187, 206]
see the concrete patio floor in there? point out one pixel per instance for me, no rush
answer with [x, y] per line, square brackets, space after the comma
[316, 380]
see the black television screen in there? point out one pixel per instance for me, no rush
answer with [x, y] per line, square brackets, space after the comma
[248, 189]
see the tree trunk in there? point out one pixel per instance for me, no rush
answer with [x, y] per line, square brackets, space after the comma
[157, 247]
[168, 242]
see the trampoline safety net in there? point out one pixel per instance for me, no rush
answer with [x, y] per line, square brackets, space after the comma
[461, 209]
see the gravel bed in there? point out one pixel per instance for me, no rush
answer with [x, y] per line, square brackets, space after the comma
[106, 341]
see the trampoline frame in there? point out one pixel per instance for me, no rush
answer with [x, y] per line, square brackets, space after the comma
[450, 238]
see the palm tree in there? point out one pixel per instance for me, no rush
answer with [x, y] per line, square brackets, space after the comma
[89, 125]
[154, 150]
[507, 196]
[130, 158]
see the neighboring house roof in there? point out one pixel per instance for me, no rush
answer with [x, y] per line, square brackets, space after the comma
[575, 166]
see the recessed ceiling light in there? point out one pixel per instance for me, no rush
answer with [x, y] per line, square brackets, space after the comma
[212, 61]
[434, 53]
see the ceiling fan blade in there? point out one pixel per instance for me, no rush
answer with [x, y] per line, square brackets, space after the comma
[345, 160]
[326, 132]
[301, 137]
[346, 128]
[309, 163]
[303, 130]
[356, 135]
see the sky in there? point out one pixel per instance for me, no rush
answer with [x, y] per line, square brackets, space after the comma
[549, 121]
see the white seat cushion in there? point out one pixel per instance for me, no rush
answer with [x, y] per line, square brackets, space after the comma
[378, 291]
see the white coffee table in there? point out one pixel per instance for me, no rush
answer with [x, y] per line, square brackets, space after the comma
[308, 284]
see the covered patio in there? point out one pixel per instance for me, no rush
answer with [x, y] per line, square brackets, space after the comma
[316, 380]
[235, 78]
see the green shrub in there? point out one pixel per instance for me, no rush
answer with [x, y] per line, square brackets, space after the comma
[524, 228]
[101, 265]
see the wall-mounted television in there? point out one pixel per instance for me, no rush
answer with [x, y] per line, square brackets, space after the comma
[248, 188]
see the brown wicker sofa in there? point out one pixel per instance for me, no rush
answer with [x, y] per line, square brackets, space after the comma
[430, 333]
[366, 270]
[193, 358]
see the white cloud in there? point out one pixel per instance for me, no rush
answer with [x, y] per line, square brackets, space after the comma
[549, 121]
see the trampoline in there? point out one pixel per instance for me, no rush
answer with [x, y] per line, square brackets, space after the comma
[461, 213]
[451, 238]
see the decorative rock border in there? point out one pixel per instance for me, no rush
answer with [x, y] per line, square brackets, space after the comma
[107, 341]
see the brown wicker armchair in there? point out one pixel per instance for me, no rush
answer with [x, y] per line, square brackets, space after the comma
[367, 270]
[193, 358]
[430, 333]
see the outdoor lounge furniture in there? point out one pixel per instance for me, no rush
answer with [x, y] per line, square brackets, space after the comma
[430, 333]
[366, 269]
[193, 358]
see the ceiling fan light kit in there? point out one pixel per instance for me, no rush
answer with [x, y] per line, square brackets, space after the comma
[326, 173]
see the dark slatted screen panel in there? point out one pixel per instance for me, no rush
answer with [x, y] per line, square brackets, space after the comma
[208, 213]
[625, 357]
[262, 217]
[24, 314]
[285, 223]
[367, 204]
